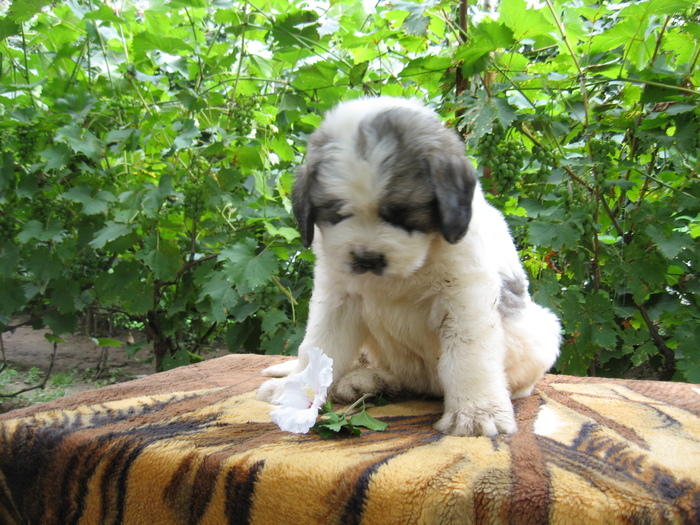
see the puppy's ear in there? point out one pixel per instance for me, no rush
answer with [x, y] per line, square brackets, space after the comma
[454, 180]
[301, 204]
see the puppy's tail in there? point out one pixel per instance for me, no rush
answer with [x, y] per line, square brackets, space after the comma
[282, 369]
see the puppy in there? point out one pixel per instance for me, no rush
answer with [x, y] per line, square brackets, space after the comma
[415, 271]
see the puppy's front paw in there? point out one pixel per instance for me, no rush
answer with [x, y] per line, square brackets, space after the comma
[479, 419]
[360, 381]
[271, 391]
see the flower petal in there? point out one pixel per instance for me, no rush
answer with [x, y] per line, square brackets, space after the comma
[293, 420]
[304, 393]
[295, 394]
[319, 372]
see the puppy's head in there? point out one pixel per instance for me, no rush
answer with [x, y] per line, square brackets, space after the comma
[382, 179]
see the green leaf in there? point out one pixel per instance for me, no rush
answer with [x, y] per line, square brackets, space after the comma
[416, 22]
[324, 431]
[93, 202]
[180, 358]
[106, 341]
[146, 41]
[52, 338]
[53, 231]
[316, 76]
[132, 349]
[669, 244]
[289, 234]
[237, 335]
[244, 265]
[61, 323]
[552, 232]
[7, 170]
[13, 295]
[648, 8]
[188, 132]
[332, 421]
[44, 264]
[111, 232]
[247, 158]
[363, 419]
[56, 156]
[282, 149]
[105, 14]
[425, 66]
[223, 296]
[8, 27]
[65, 294]
[487, 37]
[525, 22]
[295, 28]
[358, 72]
[77, 105]
[24, 10]
[126, 285]
[244, 308]
[81, 140]
[481, 115]
[162, 257]
[273, 318]
[9, 258]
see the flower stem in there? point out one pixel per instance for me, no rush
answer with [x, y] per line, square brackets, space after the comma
[357, 403]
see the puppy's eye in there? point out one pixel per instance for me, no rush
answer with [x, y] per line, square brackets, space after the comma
[396, 215]
[338, 218]
[331, 214]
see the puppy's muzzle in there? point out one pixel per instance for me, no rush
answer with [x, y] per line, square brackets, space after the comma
[368, 262]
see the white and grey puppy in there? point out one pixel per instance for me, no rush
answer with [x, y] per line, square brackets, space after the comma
[415, 271]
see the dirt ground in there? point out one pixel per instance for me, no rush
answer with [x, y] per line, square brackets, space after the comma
[77, 359]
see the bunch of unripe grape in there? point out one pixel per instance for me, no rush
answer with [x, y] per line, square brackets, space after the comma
[8, 225]
[46, 207]
[88, 265]
[26, 142]
[488, 145]
[546, 160]
[242, 116]
[505, 158]
[602, 153]
[195, 199]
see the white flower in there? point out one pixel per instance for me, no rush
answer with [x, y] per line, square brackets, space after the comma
[304, 393]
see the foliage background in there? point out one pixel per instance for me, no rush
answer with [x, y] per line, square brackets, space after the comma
[148, 151]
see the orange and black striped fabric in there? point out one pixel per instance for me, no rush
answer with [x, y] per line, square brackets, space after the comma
[194, 446]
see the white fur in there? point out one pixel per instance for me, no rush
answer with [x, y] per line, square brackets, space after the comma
[430, 324]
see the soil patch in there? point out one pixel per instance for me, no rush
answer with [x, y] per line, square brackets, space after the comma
[28, 358]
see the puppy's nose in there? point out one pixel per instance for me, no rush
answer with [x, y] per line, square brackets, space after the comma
[368, 262]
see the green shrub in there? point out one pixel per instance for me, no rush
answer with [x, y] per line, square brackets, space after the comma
[148, 154]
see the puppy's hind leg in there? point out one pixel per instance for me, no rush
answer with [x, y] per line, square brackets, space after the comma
[533, 341]
[361, 381]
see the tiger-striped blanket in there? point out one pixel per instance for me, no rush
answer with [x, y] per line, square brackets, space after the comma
[194, 446]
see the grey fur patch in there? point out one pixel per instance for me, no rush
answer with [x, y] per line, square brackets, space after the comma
[430, 183]
[513, 296]
[304, 192]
